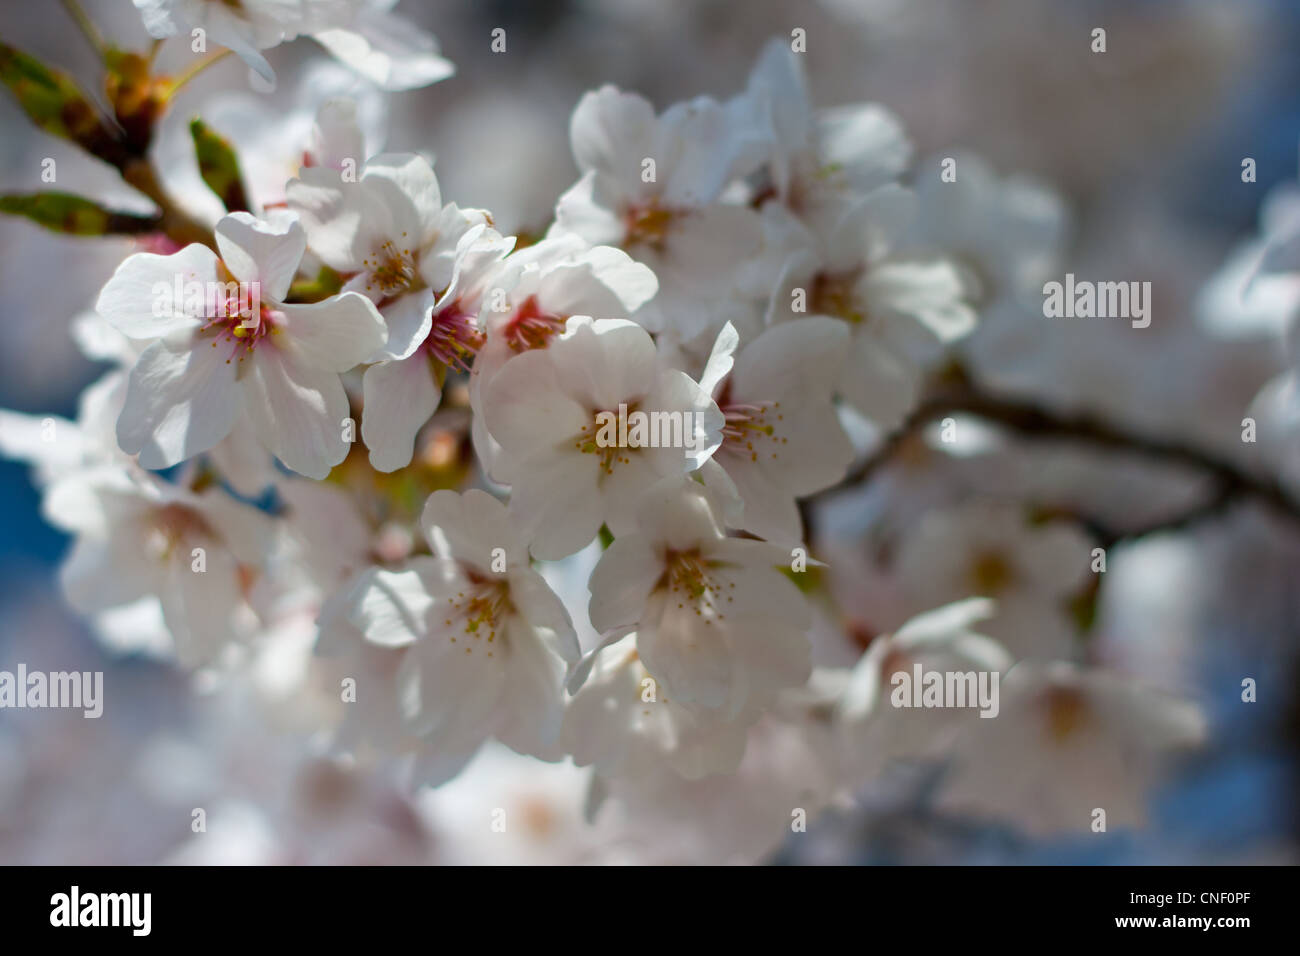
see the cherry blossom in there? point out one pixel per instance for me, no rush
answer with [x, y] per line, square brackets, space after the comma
[201, 373]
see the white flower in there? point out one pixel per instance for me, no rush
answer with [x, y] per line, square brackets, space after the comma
[390, 233]
[541, 287]
[281, 367]
[389, 51]
[424, 264]
[55, 446]
[992, 550]
[718, 625]
[487, 641]
[818, 161]
[666, 214]
[197, 552]
[402, 392]
[330, 121]
[871, 731]
[782, 439]
[1005, 234]
[901, 311]
[55, 449]
[1067, 741]
[547, 408]
[247, 27]
[539, 809]
[740, 818]
[624, 725]
[1006, 237]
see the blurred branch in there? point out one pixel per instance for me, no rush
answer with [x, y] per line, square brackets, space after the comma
[76, 215]
[1231, 481]
[178, 224]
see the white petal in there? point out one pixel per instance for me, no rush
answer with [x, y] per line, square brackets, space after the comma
[336, 135]
[622, 581]
[721, 359]
[690, 657]
[391, 606]
[558, 505]
[542, 608]
[469, 527]
[413, 176]
[611, 132]
[332, 213]
[399, 398]
[297, 411]
[391, 52]
[866, 142]
[178, 403]
[139, 300]
[198, 606]
[534, 692]
[257, 251]
[408, 319]
[334, 334]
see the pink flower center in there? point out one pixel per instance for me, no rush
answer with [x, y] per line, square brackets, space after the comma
[454, 338]
[749, 428]
[241, 331]
[531, 327]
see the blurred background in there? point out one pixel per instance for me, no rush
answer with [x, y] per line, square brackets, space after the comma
[1145, 145]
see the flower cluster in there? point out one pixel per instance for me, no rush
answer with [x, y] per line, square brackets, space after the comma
[376, 443]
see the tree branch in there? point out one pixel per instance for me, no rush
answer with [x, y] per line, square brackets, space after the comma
[1231, 480]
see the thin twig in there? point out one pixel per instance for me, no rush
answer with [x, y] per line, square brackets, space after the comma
[198, 68]
[1231, 481]
[87, 26]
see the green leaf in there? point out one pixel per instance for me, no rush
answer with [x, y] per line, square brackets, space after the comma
[74, 215]
[327, 283]
[218, 166]
[52, 101]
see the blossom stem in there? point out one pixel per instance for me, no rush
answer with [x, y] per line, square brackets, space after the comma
[176, 222]
[198, 68]
[87, 26]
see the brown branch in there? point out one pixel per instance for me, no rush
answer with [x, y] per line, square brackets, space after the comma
[1231, 481]
[175, 221]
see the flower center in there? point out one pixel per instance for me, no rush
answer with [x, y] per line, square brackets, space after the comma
[389, 270]
[531, 327]
[1067, 712]
[835, 295]
[476, 614]
[455, 338]
[172, 525]
[594, 439]
[242, 331]
[745, 423]
[688, 578]
[647, 224]
[991, 573]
